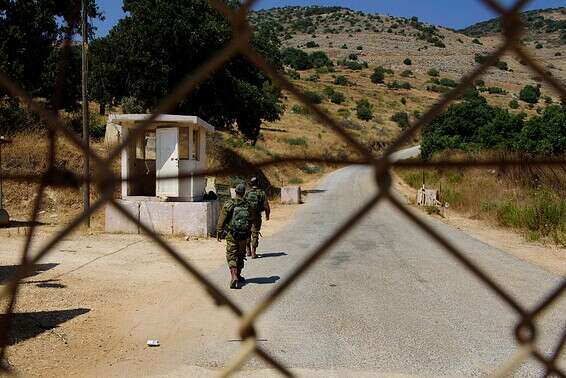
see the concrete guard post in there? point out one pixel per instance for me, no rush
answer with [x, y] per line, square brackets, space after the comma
[291, 195]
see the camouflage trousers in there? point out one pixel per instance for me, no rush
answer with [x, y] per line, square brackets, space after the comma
[235, 252]
[256, 228]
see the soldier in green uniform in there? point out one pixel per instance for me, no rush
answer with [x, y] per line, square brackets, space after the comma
[257, 200]
[234, 222]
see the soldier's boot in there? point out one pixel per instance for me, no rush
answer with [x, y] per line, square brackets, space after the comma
[254, 256]
[234, 284]
[241, 279]
[248, 249]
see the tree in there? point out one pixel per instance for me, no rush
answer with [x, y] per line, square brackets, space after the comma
[530, 94]
[297, 59]
[545, 134]
[364, 110]
[407, 62]
[32, 32]
[320, 59]
[402, 119]
[158, 44]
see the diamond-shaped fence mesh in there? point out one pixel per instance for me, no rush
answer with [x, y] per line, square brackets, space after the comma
[105, 181]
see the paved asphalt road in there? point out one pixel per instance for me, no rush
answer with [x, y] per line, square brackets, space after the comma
[386, 299]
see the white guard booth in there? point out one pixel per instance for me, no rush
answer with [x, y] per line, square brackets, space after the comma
[171, 146]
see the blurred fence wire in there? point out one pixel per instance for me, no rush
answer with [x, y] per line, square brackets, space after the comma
[105, 181]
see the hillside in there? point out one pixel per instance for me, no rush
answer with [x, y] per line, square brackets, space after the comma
[545, 26]
[426, 60]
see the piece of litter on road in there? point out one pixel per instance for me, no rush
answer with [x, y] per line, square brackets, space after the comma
[153, 343]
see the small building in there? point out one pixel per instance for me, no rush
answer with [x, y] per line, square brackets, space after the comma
[171, 146]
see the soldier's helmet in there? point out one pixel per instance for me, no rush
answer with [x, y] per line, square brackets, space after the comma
[240, 189]
[254, 181]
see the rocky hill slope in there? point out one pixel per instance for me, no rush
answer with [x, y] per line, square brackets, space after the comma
[543, 26]
[388, 41]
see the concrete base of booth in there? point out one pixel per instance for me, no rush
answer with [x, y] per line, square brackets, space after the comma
[165, 218]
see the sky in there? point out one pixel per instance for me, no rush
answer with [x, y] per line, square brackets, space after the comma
[438, 12]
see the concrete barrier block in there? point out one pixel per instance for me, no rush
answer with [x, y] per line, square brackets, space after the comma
[190, 218]
[115, 222]
[291, 195]
[157, 216]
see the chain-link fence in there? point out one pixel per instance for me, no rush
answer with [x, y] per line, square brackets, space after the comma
[106, 181]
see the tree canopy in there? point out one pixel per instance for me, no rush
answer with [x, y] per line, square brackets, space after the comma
[473, 124]
[149, 52]
[32, 34]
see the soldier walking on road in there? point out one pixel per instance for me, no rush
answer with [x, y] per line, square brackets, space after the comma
[234, 222]
[257, 200]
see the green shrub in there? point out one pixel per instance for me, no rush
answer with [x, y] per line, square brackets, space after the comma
[364, 110]
[378, 76]
[301, 141]
[96, 126]
[311, 169]
[319, 59]
[328, 91]
[312, 45]
[530, 94]
[353, 56]
[359, 48]
[314, 78]
[403, 101]
[341, 80]
[295, 181]
[354, 65]
[293, 74]
[407, 73]
[402, 119]
[477, 41]
[399, 85]
[514, 104]
[407, 62]
[344, 113]
[299, 109]
[313, 97]
[433, 72]
[14, 118]
[337, 98]
[480, 83]
[297, 59]
[448, 83]
[509, 215]
[539, 46]
[344, 46]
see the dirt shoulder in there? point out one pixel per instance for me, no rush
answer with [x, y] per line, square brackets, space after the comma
[96, 299]
[550, 258]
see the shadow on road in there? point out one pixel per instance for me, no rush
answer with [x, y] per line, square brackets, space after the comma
[313, 191]
[6, 271]
[272, 254]
[27, 325]
[263, 280]
[18, 224]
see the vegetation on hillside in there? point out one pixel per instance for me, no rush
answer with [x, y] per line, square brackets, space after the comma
[474, 125]
[548, 22]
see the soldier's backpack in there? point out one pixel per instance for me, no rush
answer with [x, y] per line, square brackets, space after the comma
[255, 201]
[240, 225]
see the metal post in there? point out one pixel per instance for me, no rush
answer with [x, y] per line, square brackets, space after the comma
[86, 185]
[1, 178]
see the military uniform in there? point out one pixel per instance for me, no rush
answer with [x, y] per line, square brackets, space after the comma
[255, 213]
[235, 249]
